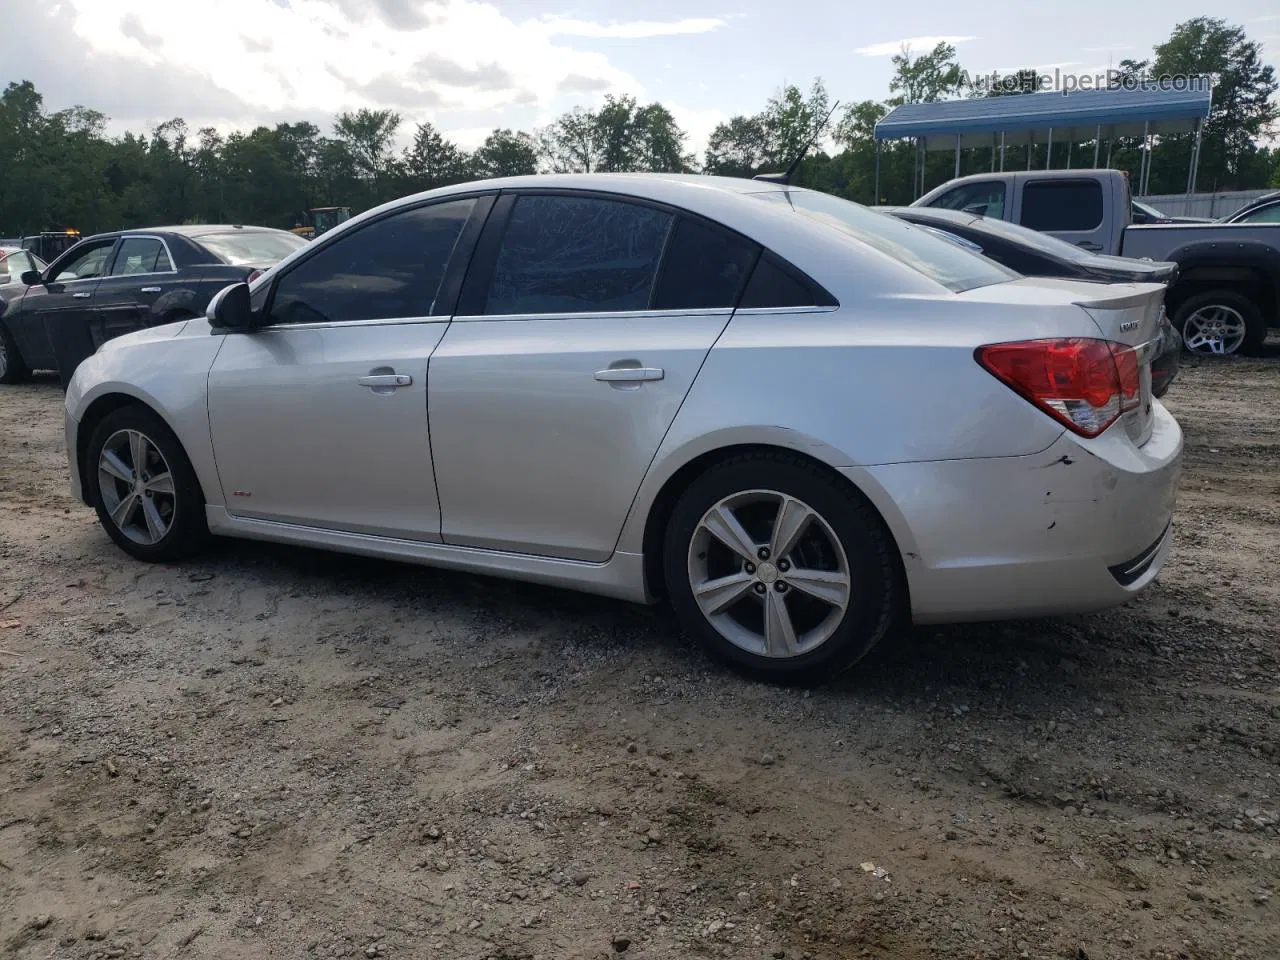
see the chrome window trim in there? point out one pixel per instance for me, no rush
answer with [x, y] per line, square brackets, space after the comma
[600, 314]
[764, 311]
[328, 324]
[151, 273]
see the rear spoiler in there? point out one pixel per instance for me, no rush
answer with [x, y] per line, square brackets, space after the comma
[1121, 301]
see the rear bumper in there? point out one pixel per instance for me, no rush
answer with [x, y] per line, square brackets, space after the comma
[1082, 526]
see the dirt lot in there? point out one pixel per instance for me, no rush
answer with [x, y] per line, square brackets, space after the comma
[274, 752]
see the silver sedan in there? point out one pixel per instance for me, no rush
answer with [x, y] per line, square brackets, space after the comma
[800, 422]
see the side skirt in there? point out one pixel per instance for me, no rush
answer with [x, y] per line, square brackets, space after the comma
[621, 576]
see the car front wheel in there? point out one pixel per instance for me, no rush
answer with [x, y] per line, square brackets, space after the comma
[144, 488]
[780, 568]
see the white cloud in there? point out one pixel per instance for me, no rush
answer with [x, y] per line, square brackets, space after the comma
[635, 30]
[917, 45]
[1116, 48]
[319, 57]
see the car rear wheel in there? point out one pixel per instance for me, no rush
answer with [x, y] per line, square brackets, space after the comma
[144, 488]
[12, 367]
[1221, 323]
[780, 568]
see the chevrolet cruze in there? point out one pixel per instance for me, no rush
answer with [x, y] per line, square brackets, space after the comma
[798, 421]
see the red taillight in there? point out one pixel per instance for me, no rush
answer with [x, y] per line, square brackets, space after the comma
[254, 276]
[1085, 384]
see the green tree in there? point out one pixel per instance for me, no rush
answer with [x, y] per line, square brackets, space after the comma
[368, 136]
[736, 148]
[506, 154]
[432, 161]
[928, 78]
[1243, 109]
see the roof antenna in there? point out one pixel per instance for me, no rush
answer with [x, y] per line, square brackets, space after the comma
[785, 177]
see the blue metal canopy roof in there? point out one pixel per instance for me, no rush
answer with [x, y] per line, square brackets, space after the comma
[1076, 115]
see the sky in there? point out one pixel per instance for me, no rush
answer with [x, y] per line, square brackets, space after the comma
[469, 66]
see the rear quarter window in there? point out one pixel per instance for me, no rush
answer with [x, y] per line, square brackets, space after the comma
[1065, 205]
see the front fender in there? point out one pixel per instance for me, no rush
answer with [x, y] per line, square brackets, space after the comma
[168, 375]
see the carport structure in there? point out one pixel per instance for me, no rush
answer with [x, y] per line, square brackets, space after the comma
[993, 123]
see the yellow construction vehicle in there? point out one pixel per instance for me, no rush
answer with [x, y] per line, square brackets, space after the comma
[320, 219]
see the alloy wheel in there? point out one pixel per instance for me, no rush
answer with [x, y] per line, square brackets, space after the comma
[769, 573]
[1214, 329]
[4, 357]
[136, 486]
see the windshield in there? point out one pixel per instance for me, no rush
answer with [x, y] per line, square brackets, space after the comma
[954, 267]
[253, 247]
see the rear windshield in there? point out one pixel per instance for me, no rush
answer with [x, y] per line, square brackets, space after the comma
[954, 267]
[1016, 233]
[238, 248]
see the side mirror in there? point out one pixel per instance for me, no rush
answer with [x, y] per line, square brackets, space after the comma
[977, 209]
[30, 277]
[229, 309]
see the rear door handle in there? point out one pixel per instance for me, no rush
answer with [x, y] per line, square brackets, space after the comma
[629, 374]
[386, 380]
[150, 290]
[82, 296]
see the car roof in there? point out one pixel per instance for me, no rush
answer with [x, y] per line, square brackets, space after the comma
[193, 231]
[829, 256]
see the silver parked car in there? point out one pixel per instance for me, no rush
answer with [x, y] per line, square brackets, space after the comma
[796, 419]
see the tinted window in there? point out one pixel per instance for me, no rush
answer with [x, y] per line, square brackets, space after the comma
[387, 269]
[703, 267]
[1269, 214]
[139, 255]
[987, 197]
[772, 284]
[1073, 205]
[941, 260]
[86, 265]
[251, 246]
[571, 254]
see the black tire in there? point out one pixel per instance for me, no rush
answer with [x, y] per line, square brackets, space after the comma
[1255, 324]
[13, 369]
[188, 531]
[876, 593]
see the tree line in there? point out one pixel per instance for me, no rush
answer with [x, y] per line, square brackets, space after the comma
[61, 169]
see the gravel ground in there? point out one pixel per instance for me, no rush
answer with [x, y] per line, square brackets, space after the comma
[274, 752]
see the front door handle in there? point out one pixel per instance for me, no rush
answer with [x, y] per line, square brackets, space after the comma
[629, 374]
[1089, 245]
[149, 290]
[82, 296]
[384, 380]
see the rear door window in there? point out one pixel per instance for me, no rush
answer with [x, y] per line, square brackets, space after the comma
[139, 255]
[563, 254]
[1062, 205]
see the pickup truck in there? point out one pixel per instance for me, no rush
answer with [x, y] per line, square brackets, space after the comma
[1227, 292]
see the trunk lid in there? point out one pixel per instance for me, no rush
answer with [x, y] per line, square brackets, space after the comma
[1132, 314]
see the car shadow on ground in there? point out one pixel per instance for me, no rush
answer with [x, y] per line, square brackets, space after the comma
[1055, 659]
